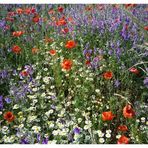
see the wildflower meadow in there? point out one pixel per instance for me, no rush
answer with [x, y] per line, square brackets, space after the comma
[73, 74]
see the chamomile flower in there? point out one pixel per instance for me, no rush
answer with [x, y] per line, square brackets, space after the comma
[9, 139]
[56, 132]
[36, 129]
[52, 142]
[101, 140]
[31, 118]
[142, 119]
[108, 135]
[79, 120]
[108, 131]
[118, 136]
[5, 130]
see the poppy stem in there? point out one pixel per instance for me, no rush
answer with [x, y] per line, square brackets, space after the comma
[138, 64]
[115, 94]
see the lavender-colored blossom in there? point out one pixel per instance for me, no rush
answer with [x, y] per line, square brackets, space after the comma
[96, 60]
[14, 72]
[101, 52]
[110, 52]
[117, 83]
[53, 97]
[118, 53]
[38, 138]
[3, 74]
[45, 141]
[146, 82]
[70, 137]
[127, 20]
[1, 102]
[95, 63]
[24, 141]
[20, 91]
[76, 130]
[2, 24]
[52, 106]
[8, 100]
[28, 69]
[86, 51]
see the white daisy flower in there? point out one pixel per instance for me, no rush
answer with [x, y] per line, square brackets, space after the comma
[108, 131]
[97, 90]
[5, 130]
[9, 139]
[79, 120]
[100, 134]
[52, 142]
[36, 129]
[107, 135]
[142, 119]
[101, 140]
[16, 106]
[31, 118]
[118, 136]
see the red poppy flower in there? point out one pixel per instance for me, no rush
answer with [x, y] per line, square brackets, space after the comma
[51, 11]
[123, 140]
[100, 7]
[130, 6]
[34, 50]
[17, 33]
[60, 9]
[87, 63]
[146, 28]
[128, 112]
[48, 40]
[7, 27]
[33, 10]
[70, 19]
[61, 22]
[19, 11]
[9, 116]
[107, 116]
[70, 44]
[108, 75]
[24, 73]
[16, 49]
[11, 13]
[36, 19]
[65, 30]
[9, 19]
[52, 52]
[122, 128]
[134, 70]
[88, 8]
[27, 11]
[66, 64]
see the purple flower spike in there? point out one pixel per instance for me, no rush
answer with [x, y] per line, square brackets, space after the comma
[76, 130]
[24, 141]
[146, 82]
[8, 100]
[117, 83]
[1, 102]
[45, 141]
